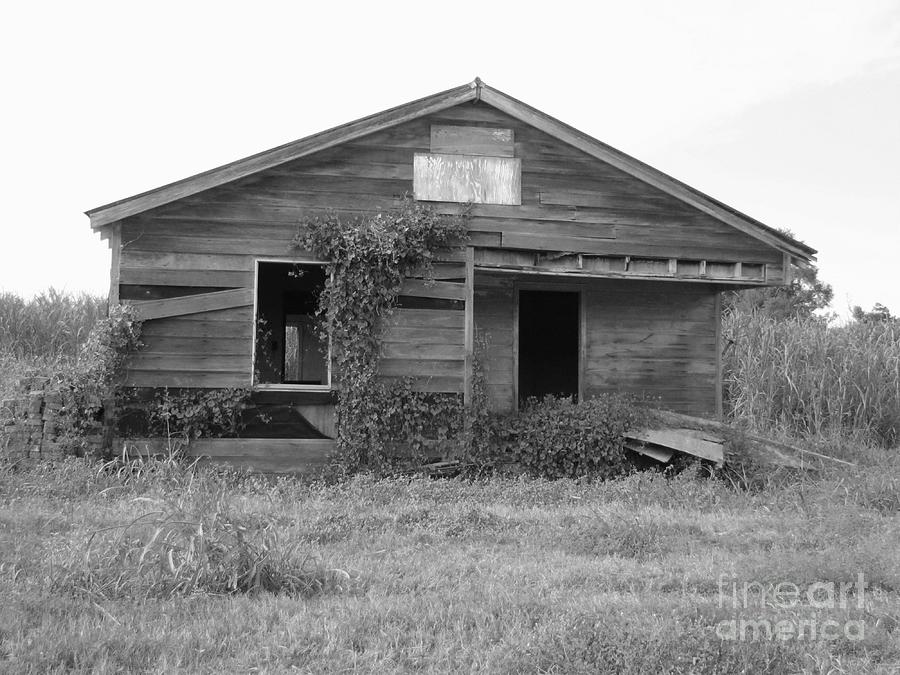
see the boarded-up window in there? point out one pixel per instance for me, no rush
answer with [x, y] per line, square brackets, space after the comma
[469, 164]
[467, 178]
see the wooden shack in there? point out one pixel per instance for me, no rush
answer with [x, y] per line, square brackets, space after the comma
[587, 271]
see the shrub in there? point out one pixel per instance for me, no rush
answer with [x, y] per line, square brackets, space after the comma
[557, 438]
[413, 425]
[92, 380]
[188, 414]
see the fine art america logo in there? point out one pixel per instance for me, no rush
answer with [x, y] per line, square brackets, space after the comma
[804, 604]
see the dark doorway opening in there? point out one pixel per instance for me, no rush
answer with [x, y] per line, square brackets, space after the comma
[548, 344]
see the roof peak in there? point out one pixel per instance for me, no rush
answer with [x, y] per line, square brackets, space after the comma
[474, 91]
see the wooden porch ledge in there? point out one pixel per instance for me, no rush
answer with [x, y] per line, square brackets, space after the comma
[263, 455]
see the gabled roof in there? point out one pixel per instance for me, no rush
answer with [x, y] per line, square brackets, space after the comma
[474, 91]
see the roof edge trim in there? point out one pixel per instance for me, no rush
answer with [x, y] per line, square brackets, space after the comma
[644, 172]
[476, 90]
[108, 213]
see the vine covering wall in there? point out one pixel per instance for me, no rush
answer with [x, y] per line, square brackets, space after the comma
[368, 259]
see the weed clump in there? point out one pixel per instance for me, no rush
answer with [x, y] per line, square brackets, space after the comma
[178, 550]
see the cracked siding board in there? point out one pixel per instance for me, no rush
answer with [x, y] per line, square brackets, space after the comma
[467, 179]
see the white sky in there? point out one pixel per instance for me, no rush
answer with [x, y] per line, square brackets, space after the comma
[788, 111]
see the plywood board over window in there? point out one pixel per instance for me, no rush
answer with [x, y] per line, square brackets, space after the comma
[467, 179]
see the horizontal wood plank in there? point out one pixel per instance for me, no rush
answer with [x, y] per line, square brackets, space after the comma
[467, 140]
[268, 455]
[421, 351]
[433, 289]
[169, 344]
[181, 328]
[426, 318]
[149, 276]
[439, 336]
[543, 228]
[132, 258]
[192, 304]
[187, 379]
[420, 367]
[440, 270]
[207, 363]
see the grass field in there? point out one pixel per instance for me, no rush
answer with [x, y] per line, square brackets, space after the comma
[640, 574]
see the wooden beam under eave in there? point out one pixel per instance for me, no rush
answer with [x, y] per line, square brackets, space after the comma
[632, 167]
[631, 276]
[620, 267]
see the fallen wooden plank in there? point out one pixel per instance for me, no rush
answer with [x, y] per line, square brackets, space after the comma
[675, 439]
[764, 449]
[659, 454]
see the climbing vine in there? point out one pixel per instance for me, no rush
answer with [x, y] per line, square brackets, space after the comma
[95, 379]
[188, 414]
[368, 258]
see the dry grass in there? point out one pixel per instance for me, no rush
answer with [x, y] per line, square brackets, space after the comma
[807, 378]
[436, 576]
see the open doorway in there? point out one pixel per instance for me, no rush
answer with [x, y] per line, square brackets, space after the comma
[548, 344]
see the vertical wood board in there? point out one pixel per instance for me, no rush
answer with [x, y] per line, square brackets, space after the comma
[115, 245]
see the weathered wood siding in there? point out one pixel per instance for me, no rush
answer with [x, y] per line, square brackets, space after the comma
[656, 340]
[652, 339]
[209, 349]
[494, 322]
[209, 241]
[427, 344]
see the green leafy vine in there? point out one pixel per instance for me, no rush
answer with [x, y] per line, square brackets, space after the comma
[368, 259]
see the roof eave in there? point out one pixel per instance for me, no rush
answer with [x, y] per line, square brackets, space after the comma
[644, 172]
[109, 213]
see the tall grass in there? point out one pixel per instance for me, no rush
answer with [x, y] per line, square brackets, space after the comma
[41, 335]
[51, 324]
[805, 377]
